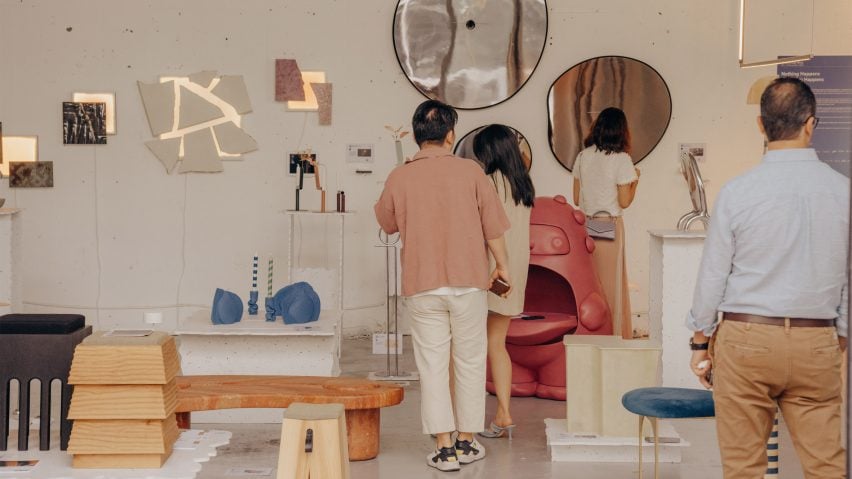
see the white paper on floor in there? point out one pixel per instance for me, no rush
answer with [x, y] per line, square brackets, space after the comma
[192, 448]
[249, 471]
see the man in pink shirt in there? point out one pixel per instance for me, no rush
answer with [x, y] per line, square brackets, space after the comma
[449, 216]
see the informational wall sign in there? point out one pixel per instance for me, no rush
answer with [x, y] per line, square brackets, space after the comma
[830, 78]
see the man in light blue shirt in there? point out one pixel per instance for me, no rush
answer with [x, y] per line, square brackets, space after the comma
[774, 265]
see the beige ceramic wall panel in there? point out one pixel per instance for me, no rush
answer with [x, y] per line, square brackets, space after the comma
[195, 110]
[232, 89]
[232, 139]
[167, 151]
[599, 370]
[203, 78]
[200, 155]
[159, 102]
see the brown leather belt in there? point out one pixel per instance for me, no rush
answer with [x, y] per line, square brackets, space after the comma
[794, 322]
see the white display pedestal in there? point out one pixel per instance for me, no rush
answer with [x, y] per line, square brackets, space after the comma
[566, 446]
[600, 370]
[11, 281]
[257, 347]
[675, 259]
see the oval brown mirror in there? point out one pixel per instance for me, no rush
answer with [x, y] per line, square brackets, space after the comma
[469, 53]
[464, 147]
[579, 94]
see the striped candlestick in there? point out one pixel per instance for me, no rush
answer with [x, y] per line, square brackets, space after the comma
[772, 452]
[254, 273]
[269, 281]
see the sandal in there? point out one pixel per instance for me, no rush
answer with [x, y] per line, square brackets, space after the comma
[495, 431]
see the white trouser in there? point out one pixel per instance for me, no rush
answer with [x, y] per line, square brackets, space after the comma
[437, 323]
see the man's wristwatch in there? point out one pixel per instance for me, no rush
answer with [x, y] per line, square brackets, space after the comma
[698, 346]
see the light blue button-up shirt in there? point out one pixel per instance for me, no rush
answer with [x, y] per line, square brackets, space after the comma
[777, 244]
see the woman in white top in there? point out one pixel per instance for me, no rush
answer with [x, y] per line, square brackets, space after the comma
[605, 183]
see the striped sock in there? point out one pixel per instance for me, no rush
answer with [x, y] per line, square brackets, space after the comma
[772, 451]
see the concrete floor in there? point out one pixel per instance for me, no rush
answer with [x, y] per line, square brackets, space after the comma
[404, 448]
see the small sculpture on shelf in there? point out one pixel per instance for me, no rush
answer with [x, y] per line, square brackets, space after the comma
[252, 302]
[306, 163]
[270, 310]
[398, 135]
[695, 183]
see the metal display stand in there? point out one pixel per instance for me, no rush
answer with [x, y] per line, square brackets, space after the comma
[392, 374]
[340, 216]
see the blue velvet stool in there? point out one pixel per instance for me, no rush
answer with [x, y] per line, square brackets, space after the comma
[666, 403]
[37, 346]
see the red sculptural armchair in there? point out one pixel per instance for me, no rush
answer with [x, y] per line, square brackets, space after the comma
[564, 288]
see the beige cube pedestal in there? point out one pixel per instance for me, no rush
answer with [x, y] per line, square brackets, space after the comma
[599, 370]
[313, 442]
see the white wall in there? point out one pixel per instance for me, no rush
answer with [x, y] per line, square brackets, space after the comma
[118, 236]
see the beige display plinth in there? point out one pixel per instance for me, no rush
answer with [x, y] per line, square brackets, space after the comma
[599, 370]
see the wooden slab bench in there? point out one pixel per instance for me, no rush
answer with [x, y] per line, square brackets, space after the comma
[362, 399]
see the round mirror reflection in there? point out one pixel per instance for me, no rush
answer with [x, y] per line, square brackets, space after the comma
[469, 53]
[578, 96]
[464, 147]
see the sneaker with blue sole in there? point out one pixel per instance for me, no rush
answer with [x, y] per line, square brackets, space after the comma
[444, 459]
[469, 451]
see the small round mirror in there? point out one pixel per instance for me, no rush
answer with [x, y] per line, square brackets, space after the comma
[464, 147]
[578, 96]
[469, 53]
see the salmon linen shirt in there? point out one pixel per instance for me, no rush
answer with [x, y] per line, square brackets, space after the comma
[444, 208]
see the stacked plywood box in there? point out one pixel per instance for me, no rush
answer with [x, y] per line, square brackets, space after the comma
[124, 401]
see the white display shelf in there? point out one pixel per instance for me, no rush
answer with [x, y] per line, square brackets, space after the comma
[257, 347]
[341, 217]
[11, 259]
[315, 212]
[199, 324]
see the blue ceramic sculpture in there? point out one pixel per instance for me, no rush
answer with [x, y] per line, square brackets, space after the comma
[297, 303]
[227, 307]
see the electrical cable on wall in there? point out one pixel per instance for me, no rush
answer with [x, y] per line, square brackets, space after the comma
[182, 249]
[97, 238]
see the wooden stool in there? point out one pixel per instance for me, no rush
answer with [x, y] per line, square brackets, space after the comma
[313, 442]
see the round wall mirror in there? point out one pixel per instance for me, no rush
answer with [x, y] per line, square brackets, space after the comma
[469, 53]
[464, 147]
[579, 94]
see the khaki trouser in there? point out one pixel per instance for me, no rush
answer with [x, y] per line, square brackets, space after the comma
[440, 324]
[757, 365]
[611, 265]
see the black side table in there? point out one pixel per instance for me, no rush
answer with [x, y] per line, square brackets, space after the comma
[37, 346]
